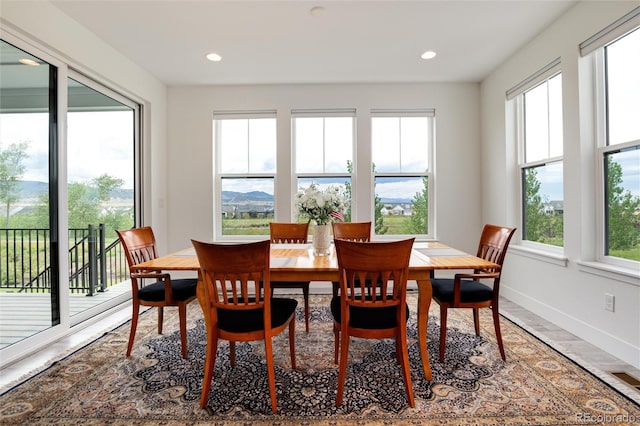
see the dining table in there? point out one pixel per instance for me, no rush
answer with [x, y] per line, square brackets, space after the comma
[297, 262]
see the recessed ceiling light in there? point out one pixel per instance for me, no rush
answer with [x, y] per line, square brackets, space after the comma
[214, 57]
[317, 11]
[429, 54]
[29, 62]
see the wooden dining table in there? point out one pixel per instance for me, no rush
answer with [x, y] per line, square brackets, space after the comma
[296, 262]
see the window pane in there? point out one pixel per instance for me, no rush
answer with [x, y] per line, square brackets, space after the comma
[385, 139]
[234, 145]
[623, 89]
[262, 145]
[555, 116]
[415, 146]
[323, 144]
[338, 143]
[247, 145]
[536, 119]
[622, 174]
[401, 205]
[400, 144]
[247, 205]
[543, 204]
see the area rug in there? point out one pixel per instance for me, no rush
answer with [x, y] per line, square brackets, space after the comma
[98, 385]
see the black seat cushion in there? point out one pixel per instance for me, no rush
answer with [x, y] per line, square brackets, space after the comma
[182, 289]
[470, 290]
[368, 318]
[242, 321]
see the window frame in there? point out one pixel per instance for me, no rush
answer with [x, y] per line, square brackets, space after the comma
[602, 150]
[297, 175]
[430, 173]
[516, 95]
[219, 176]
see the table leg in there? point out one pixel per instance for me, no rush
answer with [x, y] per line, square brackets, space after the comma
[424, 302]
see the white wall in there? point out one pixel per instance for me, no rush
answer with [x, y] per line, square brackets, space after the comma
[569, 293]
[190, 200]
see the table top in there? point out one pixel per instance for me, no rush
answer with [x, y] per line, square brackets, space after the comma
[426, 256]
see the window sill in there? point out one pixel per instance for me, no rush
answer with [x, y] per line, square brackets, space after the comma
[606, 270]
[544, 256]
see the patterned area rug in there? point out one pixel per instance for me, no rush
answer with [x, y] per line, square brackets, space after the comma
[98, 385]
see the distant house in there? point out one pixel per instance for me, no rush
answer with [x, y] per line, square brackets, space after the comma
[554, 207]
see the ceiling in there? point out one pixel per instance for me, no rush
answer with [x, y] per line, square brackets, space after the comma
[266, 42]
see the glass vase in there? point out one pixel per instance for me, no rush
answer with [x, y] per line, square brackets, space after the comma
[321, 240]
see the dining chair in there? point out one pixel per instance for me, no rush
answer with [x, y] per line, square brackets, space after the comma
[376, 310]
[350, 231]
[139, 246]
[466, 290]
[235, 296]
[292, 233]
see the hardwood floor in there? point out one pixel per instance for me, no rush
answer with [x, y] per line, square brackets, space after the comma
[589, 356]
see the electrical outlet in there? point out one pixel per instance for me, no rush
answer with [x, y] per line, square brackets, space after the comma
[609, 302]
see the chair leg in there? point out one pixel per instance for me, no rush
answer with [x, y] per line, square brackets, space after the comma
[160, 318]
[496, 325]
[305, 292]
[182, 316]
[268, 350]
[342, 374]
[134, 325]
[401, 342]
[292, 342]
[443, 330]
[476, 320]
[209, 365]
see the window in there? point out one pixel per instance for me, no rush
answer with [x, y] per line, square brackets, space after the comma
[539, 118]
[402, 159]
[323, 144]
[245, 171]
[619, 148]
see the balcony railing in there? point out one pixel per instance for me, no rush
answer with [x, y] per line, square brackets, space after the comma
[94, 262]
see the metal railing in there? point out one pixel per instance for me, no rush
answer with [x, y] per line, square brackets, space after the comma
[94, 262]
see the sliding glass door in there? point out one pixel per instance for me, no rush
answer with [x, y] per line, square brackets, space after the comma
[29, 276]
[68, 180]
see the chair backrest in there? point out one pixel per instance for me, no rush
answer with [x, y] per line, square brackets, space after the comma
[352, 231]
[494, 242]
[289, 232]
[373, 274]
[234, 276]
[139, 244]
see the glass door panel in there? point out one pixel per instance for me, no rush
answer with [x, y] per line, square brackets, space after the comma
[29, 289]
[100, 184]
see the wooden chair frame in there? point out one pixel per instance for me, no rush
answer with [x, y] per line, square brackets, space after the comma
[139, 246]
[493, 245]
[235, 277]
[374, 276]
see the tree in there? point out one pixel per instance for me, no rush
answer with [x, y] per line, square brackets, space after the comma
[90, 203]
[418, 223]
[622, 211]
[534, 209]
[11, 170]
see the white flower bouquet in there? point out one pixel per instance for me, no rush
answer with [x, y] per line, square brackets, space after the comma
[323, 207]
